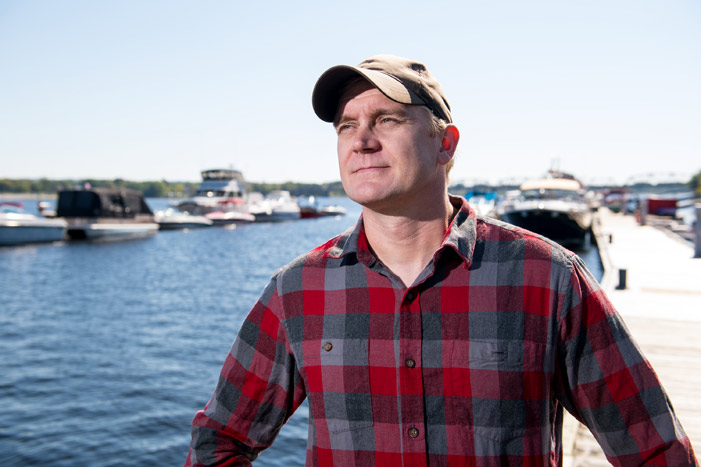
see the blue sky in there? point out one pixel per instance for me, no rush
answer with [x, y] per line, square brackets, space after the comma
[151, 90]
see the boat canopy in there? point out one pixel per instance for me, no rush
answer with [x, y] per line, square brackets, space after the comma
[101, 202]
[551, 184]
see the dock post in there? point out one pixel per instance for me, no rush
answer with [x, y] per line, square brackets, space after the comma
[622, 279]
[643, 211]
[697, 228]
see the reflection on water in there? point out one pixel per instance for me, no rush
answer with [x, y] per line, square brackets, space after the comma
[109, 349]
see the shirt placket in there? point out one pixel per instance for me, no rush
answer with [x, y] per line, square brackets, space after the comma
[412, 397]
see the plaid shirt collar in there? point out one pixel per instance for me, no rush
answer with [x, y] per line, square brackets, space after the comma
[461, 237]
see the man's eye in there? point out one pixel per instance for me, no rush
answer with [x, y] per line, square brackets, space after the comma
[344, 127]
[388, 120]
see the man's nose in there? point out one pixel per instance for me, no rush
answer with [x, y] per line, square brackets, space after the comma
[365, 140]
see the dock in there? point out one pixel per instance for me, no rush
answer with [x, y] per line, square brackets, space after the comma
[661, 305]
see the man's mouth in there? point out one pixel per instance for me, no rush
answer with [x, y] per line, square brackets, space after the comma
[374, 168]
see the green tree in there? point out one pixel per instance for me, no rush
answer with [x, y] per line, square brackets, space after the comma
[695, 183]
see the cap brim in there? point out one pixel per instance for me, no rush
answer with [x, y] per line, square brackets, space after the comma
[330, 85]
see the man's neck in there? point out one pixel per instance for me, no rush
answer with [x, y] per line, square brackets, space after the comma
[405, 243]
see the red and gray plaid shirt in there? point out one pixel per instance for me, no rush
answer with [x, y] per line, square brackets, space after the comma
[470, 365]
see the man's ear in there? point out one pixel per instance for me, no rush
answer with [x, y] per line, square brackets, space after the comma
[449, 143]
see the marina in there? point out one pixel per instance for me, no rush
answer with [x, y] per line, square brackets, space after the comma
[116, 345]
[162, 160]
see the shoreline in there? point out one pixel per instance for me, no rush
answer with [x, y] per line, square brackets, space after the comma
[27, 196]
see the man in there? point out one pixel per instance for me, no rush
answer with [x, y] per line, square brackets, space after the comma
[426, 335]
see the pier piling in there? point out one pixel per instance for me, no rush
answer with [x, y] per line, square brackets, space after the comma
[697, 229]
[622, 279]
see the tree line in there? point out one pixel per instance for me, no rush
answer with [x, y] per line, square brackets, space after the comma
[165, 189]
[162, 188]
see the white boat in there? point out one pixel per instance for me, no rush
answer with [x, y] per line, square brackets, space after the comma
[105, 214]
[19, 227]
[310, 208]
[555, 207]
[220, 190]
[333, 210]
[172, 219]
[230, 217]
[276, 206]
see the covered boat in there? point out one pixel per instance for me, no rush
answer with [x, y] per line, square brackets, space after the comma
[105, 214]
[555, 207]
[18, 226]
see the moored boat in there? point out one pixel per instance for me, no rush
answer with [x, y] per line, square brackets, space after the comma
[276, 206]
[230, 217]
[171, 219]
[105, 214]
[555, 207]
[18, 227]
[220, 190]
[310, 208]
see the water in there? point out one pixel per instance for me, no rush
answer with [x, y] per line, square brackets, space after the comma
[109, 349]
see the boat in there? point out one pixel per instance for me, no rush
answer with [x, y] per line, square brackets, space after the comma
[18, 227]
[105, 214]
[483, 202]
[172, 219]
[309, 208]
[333, 210]
[230, 217]
[276, 206]
[555, 206]
[220, 190]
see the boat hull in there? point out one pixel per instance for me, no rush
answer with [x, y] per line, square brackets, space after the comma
[13, 234]
[570, 229]
[179, 225]
[277, 216]
[230, 217]
[18, 227]
[107, 231]
[172, 220]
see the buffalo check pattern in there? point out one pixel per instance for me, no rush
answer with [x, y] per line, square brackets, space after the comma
[470, 365]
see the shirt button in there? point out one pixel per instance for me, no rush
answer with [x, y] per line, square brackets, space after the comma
[410, 363]
[410, 296]
[328, 346]
[413, 432]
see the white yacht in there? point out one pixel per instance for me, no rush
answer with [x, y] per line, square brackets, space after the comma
[555, 207]
[221, 190]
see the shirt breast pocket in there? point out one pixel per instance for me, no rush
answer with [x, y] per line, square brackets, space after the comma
[499, 386]
[338, 386]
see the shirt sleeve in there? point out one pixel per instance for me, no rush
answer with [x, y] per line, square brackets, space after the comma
[604, 380]
[259, 388]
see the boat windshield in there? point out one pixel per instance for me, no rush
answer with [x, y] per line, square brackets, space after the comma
[549, 194]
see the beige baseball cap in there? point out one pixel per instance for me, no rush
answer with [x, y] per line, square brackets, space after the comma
[400, 79]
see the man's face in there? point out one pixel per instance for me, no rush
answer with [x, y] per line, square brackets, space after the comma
[386, 155]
